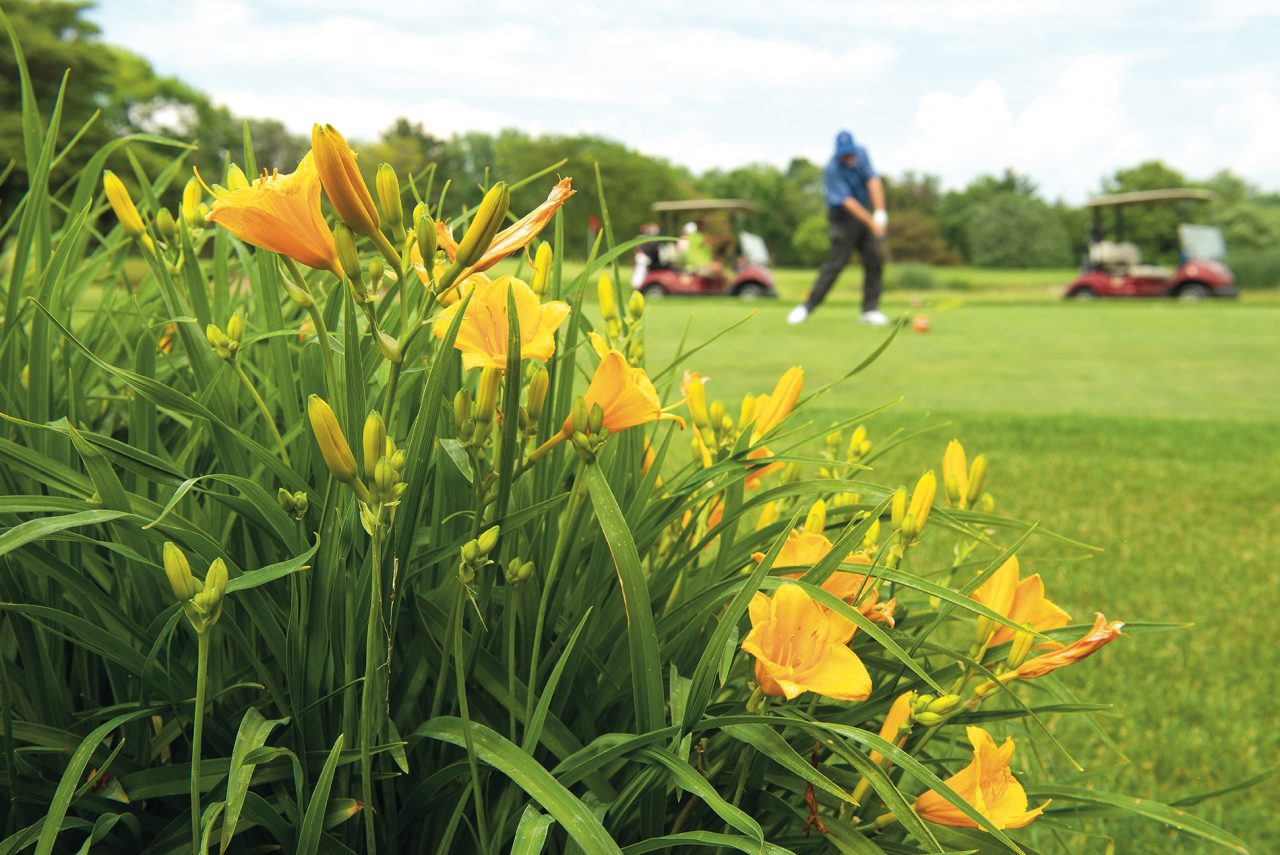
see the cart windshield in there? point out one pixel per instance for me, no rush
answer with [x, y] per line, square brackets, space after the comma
[1202, 242]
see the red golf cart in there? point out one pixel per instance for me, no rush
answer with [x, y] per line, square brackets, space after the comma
[1115, 268]
[740, 258]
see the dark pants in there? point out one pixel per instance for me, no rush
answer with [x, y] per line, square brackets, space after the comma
[848, 234]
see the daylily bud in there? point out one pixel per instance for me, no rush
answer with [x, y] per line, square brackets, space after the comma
[336, 163]
[928, 719]
[389, 346]
[944, 704]
[579, 416]
[178, 570]
[697, 402]
[953, 491]
[461, 406]
[303, 299]
[166, 225]
[856, 440]
[1019, 648]
[768, 514]
[541, 269]
[595, 418]
[389, 198]
[236, 179]
[834, 440]
[425, 231]
[716, 414]
[487, 395]
[816, 521]
[215, 581]
[922, 497]
[235, 328]
[635, 306]
[488, 219]
[377, 269]
[872, 538]
[977, 474]
[348, 255]
[898, 509]
[374, 441]
[192, 194]
[518, 572]
[910, 528]
[285, 500]
[385, 477]
[608, 297]
[332, 442]
[748, 410]
[122, 204]
[539, 382]
[470, 552]
[488, 539]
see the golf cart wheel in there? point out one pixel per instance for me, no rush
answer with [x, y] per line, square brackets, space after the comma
[1081, 294]
[751, 291]
[653, 291]
[1193, 292]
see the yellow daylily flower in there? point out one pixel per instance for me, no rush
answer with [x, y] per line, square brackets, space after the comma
[484, 331]
[898, 715]
[805, 548]
[514, 237]
[625, 394]
[799, 649]
[280, 213]
[771, 409]
[1022, 601]
[986, 784]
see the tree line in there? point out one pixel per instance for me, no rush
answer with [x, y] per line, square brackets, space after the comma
[994, 221]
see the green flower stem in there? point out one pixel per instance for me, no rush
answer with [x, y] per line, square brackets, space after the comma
[369, 692]
[322, 332]
[562, 542]
[202, 690]
[266, 413]
[460, 675]
[388, 252]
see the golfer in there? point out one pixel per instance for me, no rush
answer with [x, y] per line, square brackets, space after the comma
[858, 220]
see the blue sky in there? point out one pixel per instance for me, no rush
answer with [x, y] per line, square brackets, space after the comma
[1063, 92]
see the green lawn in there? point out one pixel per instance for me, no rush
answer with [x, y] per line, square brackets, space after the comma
[1146, 428]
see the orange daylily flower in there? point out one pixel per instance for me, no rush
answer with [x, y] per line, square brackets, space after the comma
[1023, 602]
[626, 394]
[897, 716]
[805, 548]
[280, 213]
[514, 237]
[799, 649]
[986, 784]
[755, 476]
[483, 333]
[771, 409]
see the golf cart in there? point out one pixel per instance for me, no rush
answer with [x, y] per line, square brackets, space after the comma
[738, 259]
[1115, 268]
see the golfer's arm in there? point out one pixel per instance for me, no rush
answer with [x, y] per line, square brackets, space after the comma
[854, 207]
[875, 187]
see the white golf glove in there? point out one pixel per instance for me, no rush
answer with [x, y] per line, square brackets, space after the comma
[881, 218]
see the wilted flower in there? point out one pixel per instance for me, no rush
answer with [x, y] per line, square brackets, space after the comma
[514, 237]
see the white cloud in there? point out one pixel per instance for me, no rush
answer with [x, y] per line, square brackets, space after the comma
[1064, 138]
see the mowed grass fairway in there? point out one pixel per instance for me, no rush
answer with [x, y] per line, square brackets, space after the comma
[1148, 429]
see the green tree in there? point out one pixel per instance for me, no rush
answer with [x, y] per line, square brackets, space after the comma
[958, 207]
[1015, 230]
[1153, 228]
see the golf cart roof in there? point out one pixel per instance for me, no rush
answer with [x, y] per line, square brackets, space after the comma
[686, 205]
[1175, 194]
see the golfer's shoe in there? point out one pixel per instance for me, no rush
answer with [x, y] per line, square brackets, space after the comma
[875, 318]
[799, 313]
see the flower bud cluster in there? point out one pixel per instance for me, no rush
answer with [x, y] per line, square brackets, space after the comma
[589, 433]
[474, 554]
[931, 710]
[226, 344]
[201, 600]
[622, 329]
